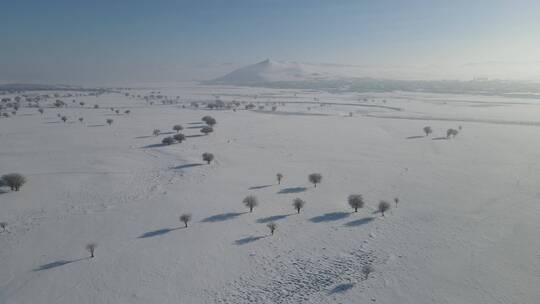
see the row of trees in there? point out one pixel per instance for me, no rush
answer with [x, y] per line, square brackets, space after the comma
[449, 133]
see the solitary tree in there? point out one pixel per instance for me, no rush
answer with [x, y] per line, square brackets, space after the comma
[396, 200]
[179, 137]
[41, 110]
[168, 140]
[251, 202]
[209, 120]
[96, 106]
[14, 180]
[451, 133]
[315, 178]
[127, 112]
[64, 118]
[272, 226]
[279, 177]
[81, 119]
[356, 201]
[207, 130]
[298, 204]
[3, 225]
[81, 103]
[427, 130]
[366, 270]
[208, 157]
[117, 112]
[178, 128]
[156, 132]
[383, 207]
[185, 218]
[91, 248]
[109, 121]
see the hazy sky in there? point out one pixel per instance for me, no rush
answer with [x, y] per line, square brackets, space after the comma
[96, 42]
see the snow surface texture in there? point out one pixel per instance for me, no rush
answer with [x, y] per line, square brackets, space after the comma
[465, 230]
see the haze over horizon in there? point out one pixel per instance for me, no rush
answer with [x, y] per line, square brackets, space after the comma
[98, 42]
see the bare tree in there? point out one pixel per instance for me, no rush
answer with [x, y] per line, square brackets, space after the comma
[81, 119]
[81, 103]
[64, 118]
[185, 218]
[168, 140]
[179, 137]
[91, 247]
[14, 180]
[272, 226]
[383, 207]
[109, 121]
[451, 133]
[427, 130]
[356, 201]
[127, 112]
[156, 132]
[298, 204]
[396, 200]
[207, 130]
[3, 225]
[178, 128]
[41, 110]
[315, 178]
[208, 157]
[366, 270]
[96, 106]
[279, 177]
[251, 202]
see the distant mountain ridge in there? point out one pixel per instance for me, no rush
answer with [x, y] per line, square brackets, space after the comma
[333, 77]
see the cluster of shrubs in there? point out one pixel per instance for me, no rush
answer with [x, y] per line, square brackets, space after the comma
[450, 133]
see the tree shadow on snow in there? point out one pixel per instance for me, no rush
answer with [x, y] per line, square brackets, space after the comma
[197, 135]
[341, 288]
[360, 222]
[292, 190]
[273, 218]
[93, 126]
[440, 138]
[329, 217]
[196, 123]
[185, 166]
[57, 264]
[157, 232]
[195, 127]
[259, 187]
[154, 146]
[222, 217]
[248, 240]
[414, 137]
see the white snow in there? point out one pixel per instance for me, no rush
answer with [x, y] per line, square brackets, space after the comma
[466, 229]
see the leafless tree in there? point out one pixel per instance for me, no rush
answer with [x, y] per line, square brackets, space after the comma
[3, 225]
[315, 178]
[178, 128]
[81, 119]
[298, 204]
[109, 121]
[64, 118]
[272, 226]
[427, 130]
[207, 130]
[179, 137]
[40, 110]
[14, 181]
[91, 247]
[383, 207]
[356, 201]
[208, 157]
[279, 177]
[185, 218]
[168, 140]
[156, 132]
[396, 200]
[251, 202]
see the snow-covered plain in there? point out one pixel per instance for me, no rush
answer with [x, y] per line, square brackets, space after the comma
[466, 229]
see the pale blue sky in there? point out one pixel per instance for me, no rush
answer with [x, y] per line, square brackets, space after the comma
[71, 41]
